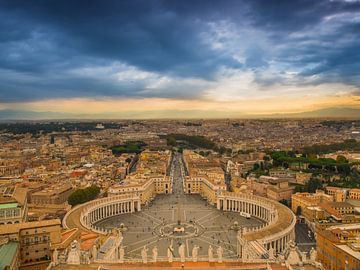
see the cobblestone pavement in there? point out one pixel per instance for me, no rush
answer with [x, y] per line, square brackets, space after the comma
[204, 224]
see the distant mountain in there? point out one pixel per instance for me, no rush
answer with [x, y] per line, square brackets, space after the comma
[31, 115]
[336, 112]
[178, 114]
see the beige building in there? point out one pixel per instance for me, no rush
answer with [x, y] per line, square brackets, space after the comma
[13, 206]
[338, 247]
[35, 240]
[308, 203]
[341, 194]
[354, 194]
[149, 179]
[279, 189]
[55, 194]
[202, 176]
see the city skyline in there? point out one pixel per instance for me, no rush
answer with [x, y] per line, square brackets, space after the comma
[179, 59]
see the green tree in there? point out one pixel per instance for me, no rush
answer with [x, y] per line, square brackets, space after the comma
[83, 195]
[284, 202]
[313, 185]
[341, 159]
[299, 189]
[171, 141]
[298, 211]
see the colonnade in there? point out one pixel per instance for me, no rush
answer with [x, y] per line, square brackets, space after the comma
[255, 206]
[100, 209]
[277, 232]
[260, 211]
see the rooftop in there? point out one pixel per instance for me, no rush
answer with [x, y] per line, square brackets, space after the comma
[7, 253]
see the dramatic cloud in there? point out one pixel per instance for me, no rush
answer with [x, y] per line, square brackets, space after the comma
[185, 50]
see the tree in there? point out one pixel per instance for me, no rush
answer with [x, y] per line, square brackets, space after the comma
[313, 185]
[284, 202]
[341, 159]
[298, 211]
[256, 167]
[171, 141]
[83, 195]
[299, 189]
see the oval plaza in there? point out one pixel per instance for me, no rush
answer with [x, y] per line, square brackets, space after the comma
[182, 211]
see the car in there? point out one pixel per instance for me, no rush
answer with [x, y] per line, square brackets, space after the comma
[244, 214]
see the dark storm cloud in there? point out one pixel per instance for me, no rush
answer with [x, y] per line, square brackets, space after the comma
[41, 42]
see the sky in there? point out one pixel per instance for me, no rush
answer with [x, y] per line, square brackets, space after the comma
[152, 57]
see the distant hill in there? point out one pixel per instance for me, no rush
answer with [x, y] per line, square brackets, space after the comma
[321, 113]
[178, 114]
[31, 115]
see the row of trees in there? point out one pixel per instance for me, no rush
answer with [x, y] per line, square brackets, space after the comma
[311, 186]
[83, 195]
[284, 159]
[196, 141]
[45, 128]
[347, 145]
[128, 147]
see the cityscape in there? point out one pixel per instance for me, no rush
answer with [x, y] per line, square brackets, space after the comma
[180, 135]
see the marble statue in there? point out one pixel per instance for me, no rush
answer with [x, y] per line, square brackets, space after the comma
[271, 253]
[121, 254]
[155, 253]
[144, 254]
[313, 255]
[94, 252]
[195, 253]
[63, 256]
[85, 257]
[170, 253]
[219, 252]
[182, 252]
[293, 257]
[55, 257]
[74, 254]
[210, 253]
[303, 256]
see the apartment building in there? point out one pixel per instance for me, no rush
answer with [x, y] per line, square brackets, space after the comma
[338, 247]
[13, 205]
[35, 240]
[150, 177]
[203, 176]
[54, 194]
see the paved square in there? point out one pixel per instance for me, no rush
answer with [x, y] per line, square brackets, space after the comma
[202, 223]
